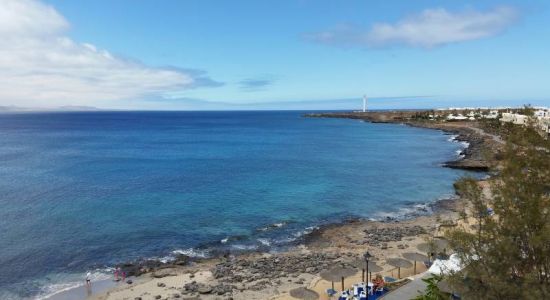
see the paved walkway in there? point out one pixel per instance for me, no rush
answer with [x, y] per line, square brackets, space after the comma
[409, 290]
[482, 132]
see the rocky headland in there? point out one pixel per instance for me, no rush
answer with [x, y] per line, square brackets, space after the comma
[480, 155]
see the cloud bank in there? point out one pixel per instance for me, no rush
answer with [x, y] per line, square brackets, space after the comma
[41, 66]
[427, 29]
[256, 84]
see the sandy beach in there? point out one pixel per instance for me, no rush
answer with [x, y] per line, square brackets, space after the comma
[273, 275]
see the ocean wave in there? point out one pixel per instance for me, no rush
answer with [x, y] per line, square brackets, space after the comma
[192, 252]
[66, 282]
[233, 238]
[306, 231]
[405, 212]
[452, 138]
[463, 144]
[243, 247]
[57, 288]
[264, 241]
[285, 241]
[273, 226]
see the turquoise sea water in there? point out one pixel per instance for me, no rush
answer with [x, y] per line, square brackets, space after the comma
[83, 191]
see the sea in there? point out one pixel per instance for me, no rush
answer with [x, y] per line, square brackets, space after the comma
[83, 191]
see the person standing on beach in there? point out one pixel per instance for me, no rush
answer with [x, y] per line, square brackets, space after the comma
[116, 273]
[88, 279]
[123, 276]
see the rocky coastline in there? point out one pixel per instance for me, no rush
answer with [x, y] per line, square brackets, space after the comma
[263, 275]
[478, 156]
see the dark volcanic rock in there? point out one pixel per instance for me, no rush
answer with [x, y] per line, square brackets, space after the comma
[265, 270]
[468, 164]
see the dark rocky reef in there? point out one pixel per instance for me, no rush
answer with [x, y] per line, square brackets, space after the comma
[137, 268]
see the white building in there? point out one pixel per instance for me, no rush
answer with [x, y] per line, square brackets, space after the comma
[493, 114]
[544, 124]
[542, 113]
[458, 117]
[514, 118]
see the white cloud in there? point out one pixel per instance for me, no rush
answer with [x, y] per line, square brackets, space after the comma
[41, 66]
[430, 28]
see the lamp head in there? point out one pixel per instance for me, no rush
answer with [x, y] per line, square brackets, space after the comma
[367, 255]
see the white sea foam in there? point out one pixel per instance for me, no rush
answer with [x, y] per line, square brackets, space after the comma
[72, 281]
[191, 252]
[265, 242]
[225, 240]
[272, 226]
[244, 247]
[285, 240]
[452, 138]
[57, 288]
[307, 230]
[464, 144]
[404, 212]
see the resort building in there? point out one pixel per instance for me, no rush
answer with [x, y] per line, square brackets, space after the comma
[458, 117]
[514, 118]
[540, 119]
[544, 125]
[542, 113]
[493, 114]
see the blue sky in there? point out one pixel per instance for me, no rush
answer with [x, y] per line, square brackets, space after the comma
[275, 55]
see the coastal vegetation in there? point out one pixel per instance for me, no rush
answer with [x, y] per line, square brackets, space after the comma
[432, 291]
[526, 136]
[506, 249]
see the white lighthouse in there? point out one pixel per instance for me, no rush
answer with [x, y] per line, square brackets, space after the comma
[365, 103]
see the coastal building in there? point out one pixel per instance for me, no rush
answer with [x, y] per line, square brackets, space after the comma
[540, 120]
[493, 114]
[457, 117]
[542, 113]
[544, 125]
[514, 118]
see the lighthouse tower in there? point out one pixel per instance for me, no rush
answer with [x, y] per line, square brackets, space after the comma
[365, 103]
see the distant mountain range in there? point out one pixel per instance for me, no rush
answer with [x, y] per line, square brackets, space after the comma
[60, 108]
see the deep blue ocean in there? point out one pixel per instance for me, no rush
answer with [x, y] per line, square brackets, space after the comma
[83, 191]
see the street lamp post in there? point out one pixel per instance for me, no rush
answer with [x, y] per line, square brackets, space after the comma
[367, 256]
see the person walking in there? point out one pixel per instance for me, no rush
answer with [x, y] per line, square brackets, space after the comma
[88, 279]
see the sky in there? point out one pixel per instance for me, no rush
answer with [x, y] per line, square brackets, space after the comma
[285, 54]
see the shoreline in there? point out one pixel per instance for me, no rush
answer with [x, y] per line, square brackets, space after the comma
[323, 245]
